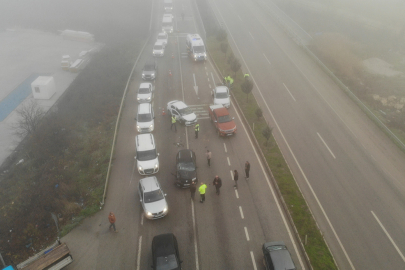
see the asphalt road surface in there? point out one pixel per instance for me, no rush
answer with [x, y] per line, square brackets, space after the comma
[350, 173]
[225, 232]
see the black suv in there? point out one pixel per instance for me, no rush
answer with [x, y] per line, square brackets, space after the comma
[149, 71]
[277, 256]
[186, 168]
[165, 252]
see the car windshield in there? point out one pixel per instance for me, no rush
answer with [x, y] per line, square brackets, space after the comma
[161, 36]
[149, 68]
[224, 119]
[153, 196]
[167, 24]
[276, 248]
[143, 91]
[166, 263]
[221, 95]
[185, 111]
[146, 155]
[199, 49]
[187, 166]
[144, 117]
[157, 47]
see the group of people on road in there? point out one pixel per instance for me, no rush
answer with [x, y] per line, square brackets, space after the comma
[217, 182]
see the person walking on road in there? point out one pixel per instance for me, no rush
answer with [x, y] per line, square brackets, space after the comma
[112, 219]
[217, 183]
[247, 169]
[173, 123]
[192, 190]
[208, 154]
[235, 178]
[196, 129]
[202, 189]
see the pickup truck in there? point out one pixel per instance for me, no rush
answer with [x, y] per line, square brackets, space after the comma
[222, 120]
[54, 257]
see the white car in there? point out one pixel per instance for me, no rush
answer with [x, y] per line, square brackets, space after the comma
[145, 93]
[159, 49]
[168, 15]
[221, 96]
[145, 118]
[182, 112]
[152, 198]
[162, 38]
[146, 157]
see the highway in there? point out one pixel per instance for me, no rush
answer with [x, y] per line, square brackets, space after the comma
[225, 232]
[350, 173]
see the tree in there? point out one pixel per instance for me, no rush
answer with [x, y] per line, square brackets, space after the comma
[231, 57]
[30, 115]
[267, 132]
[259, 113]
[235, 66]
[224, 48]
[247, 87]
[221, 34]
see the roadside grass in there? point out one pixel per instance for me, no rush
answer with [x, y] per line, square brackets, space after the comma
[316, 248]
[66, 160]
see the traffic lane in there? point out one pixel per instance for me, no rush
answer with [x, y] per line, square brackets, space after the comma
[226, 246]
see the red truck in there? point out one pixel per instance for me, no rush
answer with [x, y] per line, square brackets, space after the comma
[222, 121]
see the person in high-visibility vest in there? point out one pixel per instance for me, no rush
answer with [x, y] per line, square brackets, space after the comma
[173, 123]
[202, 189]
[230, 81]
[246, 76]
[196, 129]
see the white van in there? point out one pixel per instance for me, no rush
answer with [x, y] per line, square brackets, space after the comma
[167, 25]
[168, 5]
[196, 47]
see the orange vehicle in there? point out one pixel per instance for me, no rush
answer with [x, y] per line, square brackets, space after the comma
[222, 121]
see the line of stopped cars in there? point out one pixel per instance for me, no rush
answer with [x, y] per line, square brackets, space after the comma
[165, 251]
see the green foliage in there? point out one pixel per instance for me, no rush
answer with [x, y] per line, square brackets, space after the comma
[267, 132]
[235, 66]
[259, 113]
[247, 87]
[224, 48]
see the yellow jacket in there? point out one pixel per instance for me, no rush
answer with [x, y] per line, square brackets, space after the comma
[202, 189]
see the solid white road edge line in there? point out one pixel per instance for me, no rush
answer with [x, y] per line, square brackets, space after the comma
[251, 35]
[247, 234]
[213, 80]
[241, 212]
[229, 163]
[138, 260]
[269, 185]
[289, 92]
[389, 236]
[253, 260]
[239, 17]
[195, 236]
[330, 151]
[288, 146]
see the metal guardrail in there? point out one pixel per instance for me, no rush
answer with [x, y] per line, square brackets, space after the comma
[289, 27]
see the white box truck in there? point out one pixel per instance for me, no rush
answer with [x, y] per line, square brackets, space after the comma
[196, 47]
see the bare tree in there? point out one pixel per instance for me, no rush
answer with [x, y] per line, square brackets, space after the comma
[247, 87]
[235, 66]
[267, 132]
[224, 48]
[30, 115]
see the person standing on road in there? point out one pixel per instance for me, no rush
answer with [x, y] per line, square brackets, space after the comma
[208, 154]
[112, 219]
[217, 183]
[192, 190]
[247, 169]
[196, 129]
[246, 76]
[202, 189]
[173, 123]
[235, 178]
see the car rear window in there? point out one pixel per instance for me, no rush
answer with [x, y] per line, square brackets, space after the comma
[144, 117]
[224, 119]
[143, 91]
[166, 263]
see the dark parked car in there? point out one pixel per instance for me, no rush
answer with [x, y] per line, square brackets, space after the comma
[165, 252]
[186, 168]
[149, 71]
[277, 256]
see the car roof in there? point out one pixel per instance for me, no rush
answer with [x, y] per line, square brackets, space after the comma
[159, 43]
[281, 258]
[145, 142]
[144, 108]
[162, 34]
[149, 184]
[220, 89]
[185, 155]
[179, 104]
[164, 244]
[145, 85]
